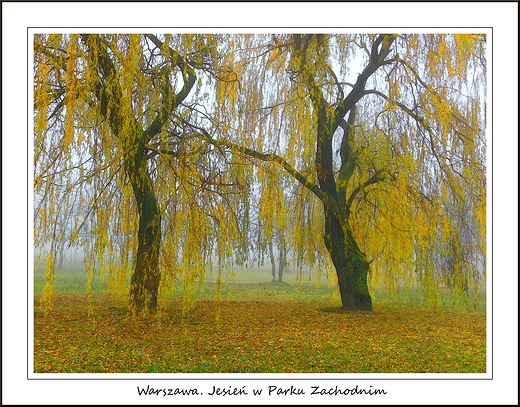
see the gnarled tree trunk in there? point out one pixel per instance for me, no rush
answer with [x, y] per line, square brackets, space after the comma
[351, 267]
[144, 284]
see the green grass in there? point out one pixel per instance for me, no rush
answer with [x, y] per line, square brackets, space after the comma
[255, 327]
[256, 284]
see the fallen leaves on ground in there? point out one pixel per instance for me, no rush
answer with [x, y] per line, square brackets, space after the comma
[255, 337]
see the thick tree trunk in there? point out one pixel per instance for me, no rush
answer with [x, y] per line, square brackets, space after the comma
[353, 285]
[144, 284]
[351, 267]
[351, 264]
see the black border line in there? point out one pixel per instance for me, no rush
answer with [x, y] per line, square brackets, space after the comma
[268, 378]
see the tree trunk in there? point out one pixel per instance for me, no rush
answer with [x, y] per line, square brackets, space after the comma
[62, 253]
[144, 284]
[351, 267]
[281, 264]
[273, 261]
[351, 264]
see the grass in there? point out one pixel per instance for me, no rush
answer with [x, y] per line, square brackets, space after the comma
[261, 327]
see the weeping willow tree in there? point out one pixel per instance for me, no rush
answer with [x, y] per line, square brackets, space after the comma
[171, 141]
[154, 202]
[396, 155]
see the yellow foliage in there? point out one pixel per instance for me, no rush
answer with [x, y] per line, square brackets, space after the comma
[423, 145]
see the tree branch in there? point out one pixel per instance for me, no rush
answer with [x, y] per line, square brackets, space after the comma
[170, 103]
[419, 119]
[106, 87]
[374, 179]
[302, 179]
[158, 151]
[376, 60]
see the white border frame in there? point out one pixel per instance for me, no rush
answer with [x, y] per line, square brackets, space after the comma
[402, 388]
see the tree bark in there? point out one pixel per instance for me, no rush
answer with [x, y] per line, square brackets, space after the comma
[273, 261]
[144, 284]
[281, 263]
[351, 267]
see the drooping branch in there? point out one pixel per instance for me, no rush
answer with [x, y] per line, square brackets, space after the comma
[419, 119]
[374, 179]
[329, 201]
[430, 89]
[57, 61]
[302, 179]
[336, 82]
[170, 100]
[106, 86]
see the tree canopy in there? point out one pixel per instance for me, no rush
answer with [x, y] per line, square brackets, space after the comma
[183, 154]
